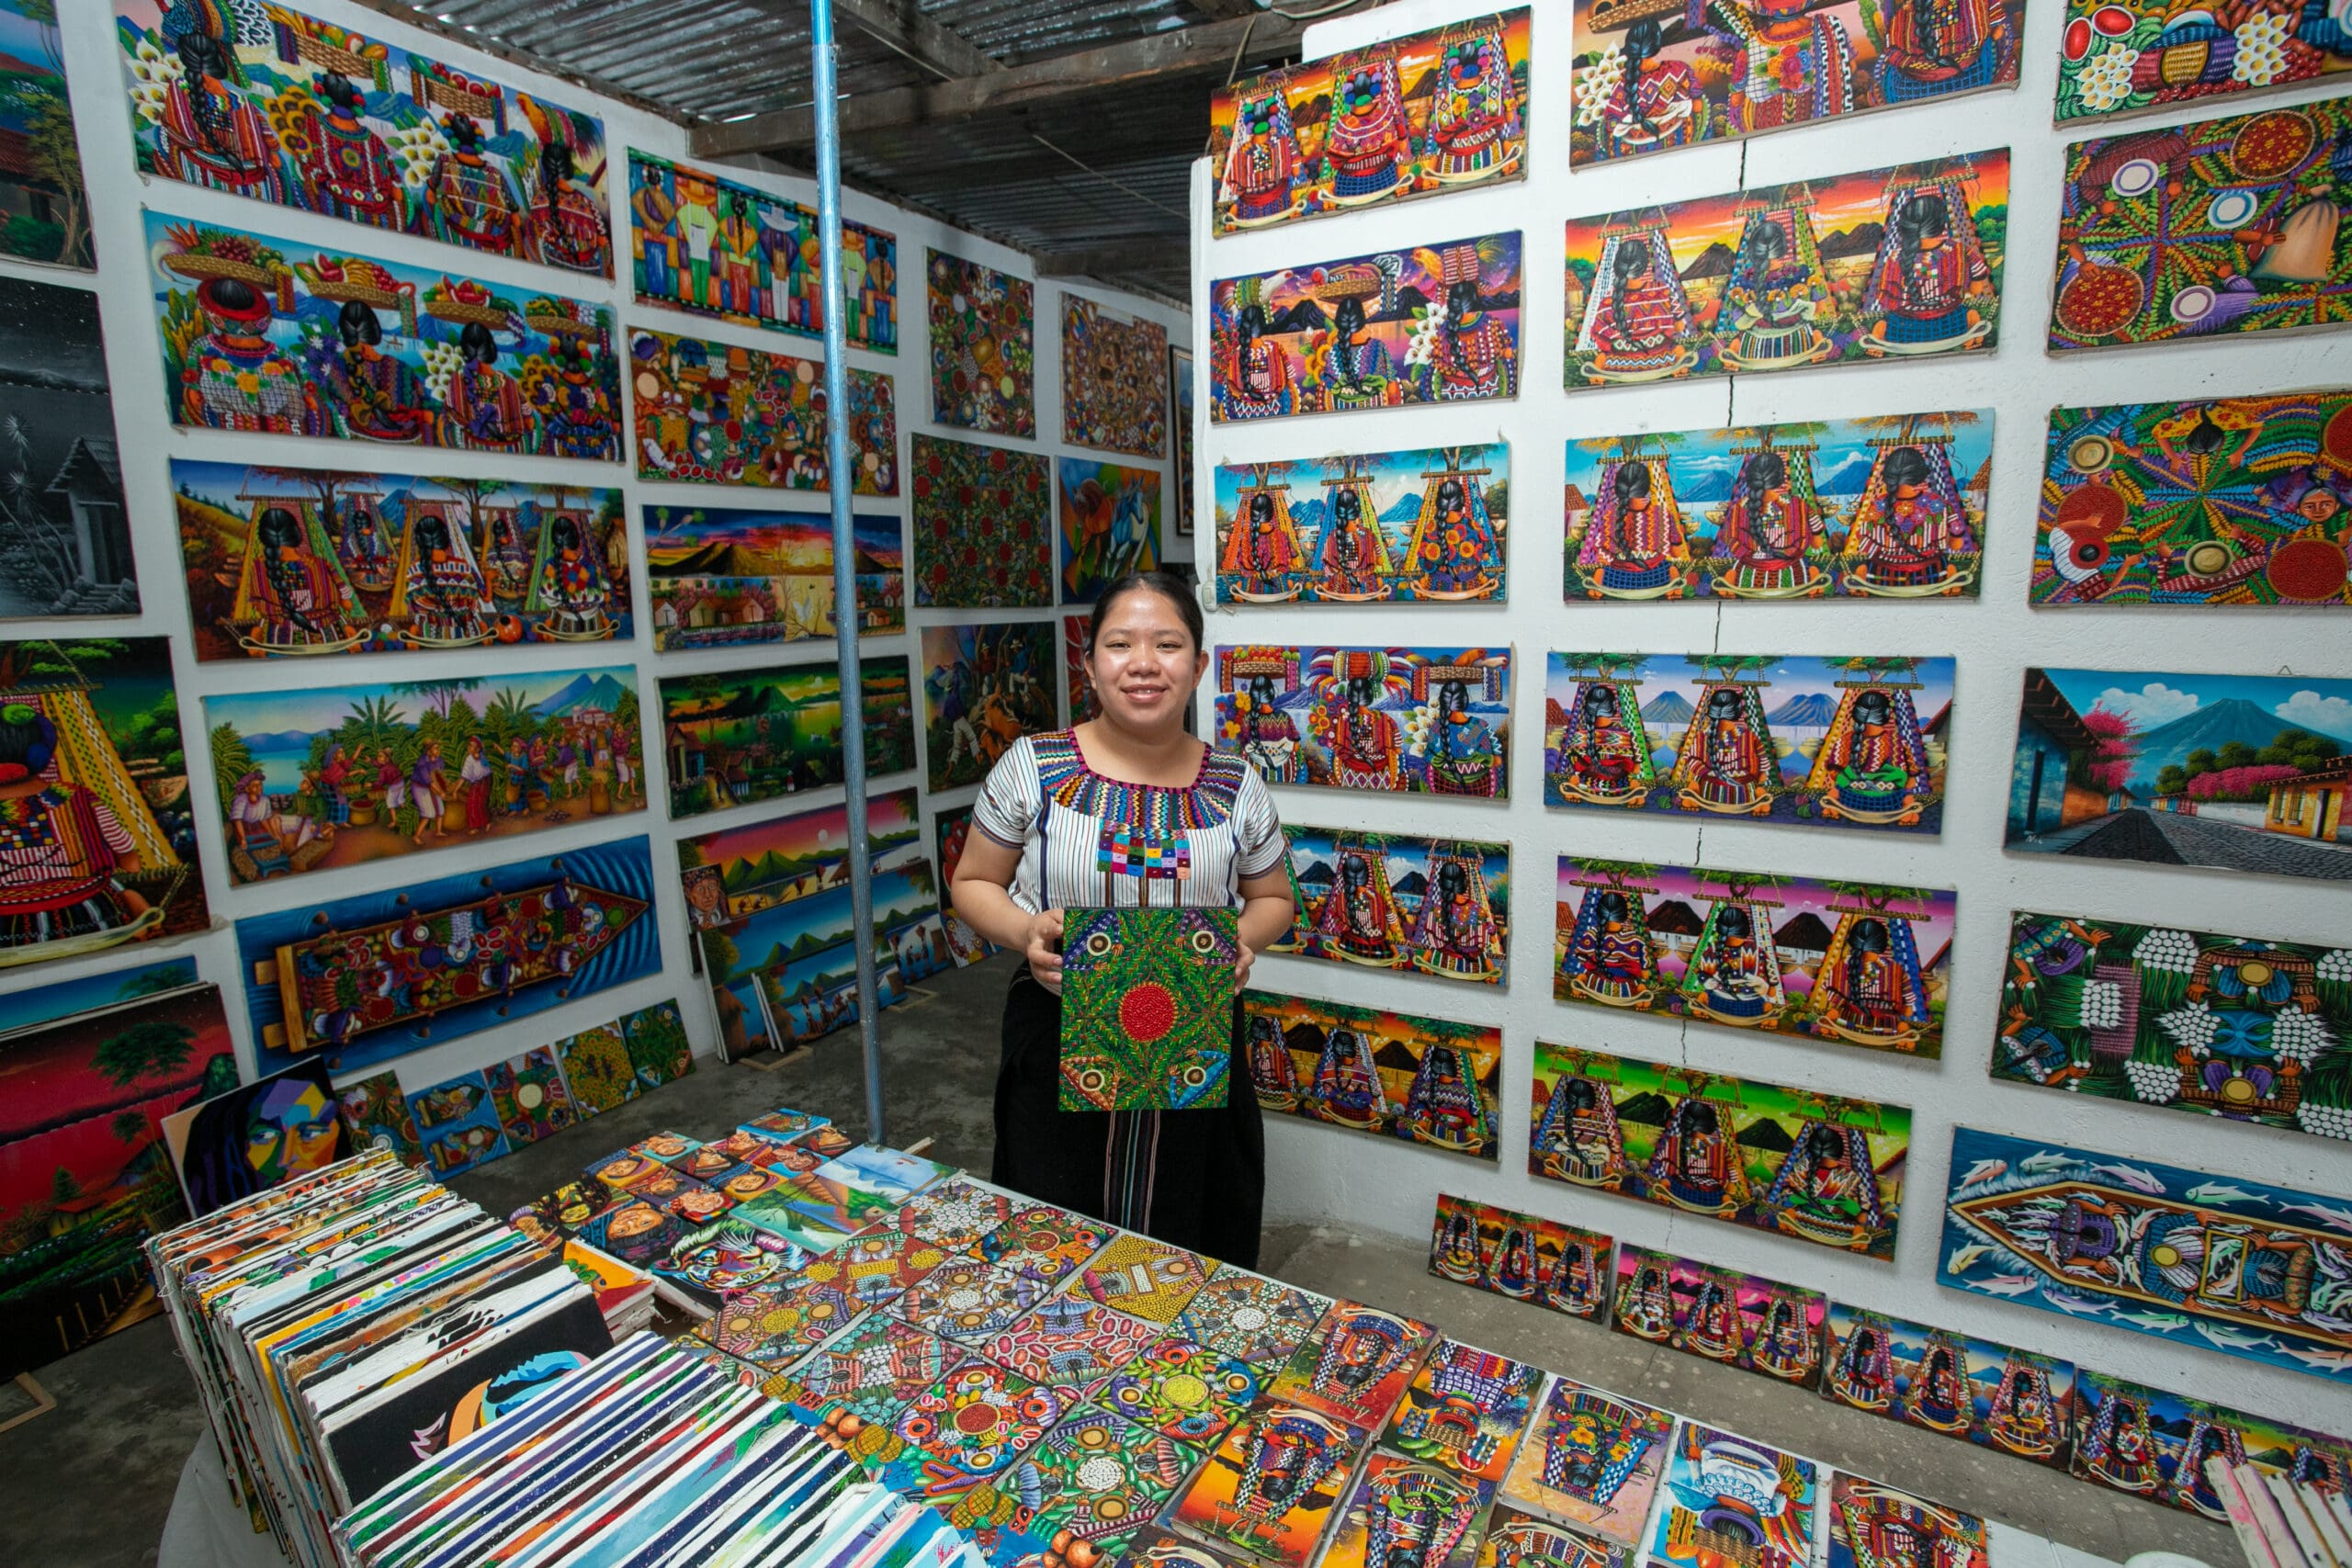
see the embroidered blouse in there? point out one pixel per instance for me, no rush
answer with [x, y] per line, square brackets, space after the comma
[1087, 841]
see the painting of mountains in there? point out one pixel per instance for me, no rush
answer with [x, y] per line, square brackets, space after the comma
[734, 872]
[732, 738]
[724, 577]
[1427, 523]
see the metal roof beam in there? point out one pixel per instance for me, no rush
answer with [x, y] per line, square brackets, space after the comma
[1127, 257]
[898, 26]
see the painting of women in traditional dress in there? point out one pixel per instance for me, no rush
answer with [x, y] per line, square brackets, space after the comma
[1426, 524]
[1770, 538]
[1636, 316]
[292, 590]
[1928, 285]
[1368, 144]
[1632, 543]
[1438, 907]
[1258, 182]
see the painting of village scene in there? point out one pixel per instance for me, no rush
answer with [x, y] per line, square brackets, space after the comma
[44, 203]
[1997, 1397]
[716, 413]
[1652, 75]
[1886, 265]
[732, 872]
[984, 687]
[1842, 963]
[2124, 57]
[731, 737]
[2146, 1443]
[2212, 228]
[712, 247]
[262, 101]
[1108, 518]
[2209, 502]
[1412, 720]
[65, 534]
[2244, 1028]
[342, 775]
[1800, 1163]
[1434, 907]
[734, 577]
[261, 338]
[1886, 507]
[2234, 772]
[1834, 742]
[1721, 1315]
[1438, 110]
[1435, 323]
[1426, 1080]
[1424, 525]
[300, 563]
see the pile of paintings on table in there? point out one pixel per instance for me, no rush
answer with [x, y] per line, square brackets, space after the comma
[1429, 1081]
[1438, 907]
[731, 576]
[1414, 720]
[1387, 526]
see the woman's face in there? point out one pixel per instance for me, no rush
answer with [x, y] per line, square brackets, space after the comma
[1145, 663]
[291, 1130]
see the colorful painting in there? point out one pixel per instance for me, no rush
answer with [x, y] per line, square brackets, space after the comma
[968, 1301]
[1429, 1082]
[2235, 773]
[64, 999]
[979, 526]
[1439, 110]
[983, 348]
[2213, 501]
[1829, 741]
[786, 974]
[2234, 1265]
[984, 686]
[255, 1137]
[967, 1427]
[1108, 520]
[1403, 1515]
[1184, 1391]
[1463, 1412]
[1739, 1320]
[731, 873]
[730, 737]
[98, 847]
[1521, 1256]
[1102, 1476]
[1438, 907]
[1078, 677]
[1846, 962]
[1114, 386]
[1887, 507]
[530, 1095]
[2147, 1443]
[952, 829]
[712, 247]
[1042, 1242]
[1070, 1343]
[1871, 1523]
[2137, 56]
[1728, 1497]
[1250, 1316]
[458, 1122]
[1269, 1489]
[716, 414]
[1997, 1397]
[1148, 1008]
[266, 337]
[1411, 720]
[1143, 1278]
[1522, 1541]
[1650, 78]
[368, 979]
[1885, 264]
[375, 1111]
[1183, 409]
[342, 775]
[47, 207]
[1820, 1167]
[958, 1215]
[1424, 525]
[1433, 324]
[732, 577]
[1356, 1366]
[2214, 1025]
[2216, 227]
[65, 534]
[291, 563]
[262, 101]
[1591, 1460]
[870, 1372]
[596, 1070]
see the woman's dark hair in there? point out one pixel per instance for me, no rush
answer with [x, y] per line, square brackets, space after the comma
[1167, 585]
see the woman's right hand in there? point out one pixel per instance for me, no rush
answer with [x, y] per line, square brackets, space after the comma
[1044, 949]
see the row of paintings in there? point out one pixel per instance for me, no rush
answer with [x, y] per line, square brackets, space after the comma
[1437, 906]
[1721, 1314]
[1412, 720]
[1388, 526]
[1429, 1081]
[1521, 1256]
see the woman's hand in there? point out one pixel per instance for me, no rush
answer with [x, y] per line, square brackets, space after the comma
[1044, 949]
[1243, 958]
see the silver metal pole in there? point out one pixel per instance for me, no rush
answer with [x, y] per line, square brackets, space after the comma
[841, 478]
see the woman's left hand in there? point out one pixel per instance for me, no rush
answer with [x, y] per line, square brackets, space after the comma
[1242, 959]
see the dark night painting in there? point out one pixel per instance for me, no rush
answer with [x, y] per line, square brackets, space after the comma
[64, 537]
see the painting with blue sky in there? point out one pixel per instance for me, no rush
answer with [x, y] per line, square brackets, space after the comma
[46, 217]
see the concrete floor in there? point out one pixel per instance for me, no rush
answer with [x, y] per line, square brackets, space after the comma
[89, 1485]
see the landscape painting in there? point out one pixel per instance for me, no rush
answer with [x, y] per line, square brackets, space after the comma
[2207, 502]
[984, 687]
[1738, 1320]
[1426, 524]
[734, 576]
[45, 210]
[1114, 379]
[2232, 773]
[1886, 507]
[1426, 1080]
[786, 973]
[1434, 907]
[2126, 57]
[1109, 517]
[983, 348]
[1885, 264]
[1820, 1167]
[733, 872]
[286, 562]
[736, 737]
[2146, 1443]
[716, 414]
[1409, 720]
[980, 535]
[339, 776]
[1842, 963]
[2007, 1400]
[64, 534]
[1824, 741]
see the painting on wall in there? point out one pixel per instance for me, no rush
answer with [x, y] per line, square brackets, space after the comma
[786, 973]
[951, 830]
[1821, 1167]
[2233, 1265]
[1436, 907]
[261, 338]
[45, 215]
[713, 247]
[2218, 227]
[65, 531]
[1108, 521]
[1715, 1475]
[734, 577]
[1434, 111]
[1428, 1081]
[2147, 1443]
[2244, 1028]
[262, 101]
[2136, 56]
[287, 563]
[716, 414]
[983, 348]
[984, 687]
[1826, 741]
[1425, 524]
[980, 530]
[1884, 265]
[1434, 323]
[1183, 409]
[1114, 379]
[364, 979]
[1887, 507]
[1842, 963]
[1739, 1320]
[733, 737]
[1997, 1397]
[1522, 1257]
[1411, 720]
[1077, 675]
[2209, 502]
[2234, 772]
[732, 872]
[335, 777]
[1651, 76]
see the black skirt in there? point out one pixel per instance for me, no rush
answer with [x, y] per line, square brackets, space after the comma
[1194, 1179]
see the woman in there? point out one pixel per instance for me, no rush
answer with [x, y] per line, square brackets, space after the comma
[1050, 805]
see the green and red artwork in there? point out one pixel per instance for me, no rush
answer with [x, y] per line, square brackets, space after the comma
[980, 532]
[983, 348]
[1148, 1008]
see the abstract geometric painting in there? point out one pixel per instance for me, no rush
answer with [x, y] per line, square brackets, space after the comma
[1108, 520]
[65, 533]
[729, 576]
[1412, 720]
[1514, 1539]
[1766, 1498]
[1995, 1397]
[716, 414]
[1143, 1278]
[1148, 1008]
[981, 538]
[983, 688]
[1440, 907]
[1250, 1316]
[1424, 525]
[1429, 1081]
[983, 348]
[1114, 379]
[1739, 1320]
[2125, 57]
[1521, 1256]
[1591, 1460]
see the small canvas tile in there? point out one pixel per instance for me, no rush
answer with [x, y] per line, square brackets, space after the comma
[636, 1233]
[870, 1371]
[772, 1326]
[966, 1300]
[1149, 1279]
[1406, 1515]
[785, 1124]
[531, 1096]
[658, 1184]
[1522, 1541]
[1718, 1479]
[826, 1141]
[1465, 1411]
[1042, 1242]
[769, 1213]
[706, 1162]
[558, 1216]
[731, 1255]
[745, 1182]
[788, 1159]
[695, 1203]
[1101, 1477]
[458, 1123]
[1147, 996]
[378, 1115]
[670, 1149]
[887, 1173]
[597, 1070]
[1271, 1488]
[832, 1202]
[966, 1427]
[1184, 1391]
[737, 1146]
[1250, 1316]
[1872, 1523]
[957, 1213]
[1070, 1343]
[1356, 1365]
[1591, 1460]
[878, 1264]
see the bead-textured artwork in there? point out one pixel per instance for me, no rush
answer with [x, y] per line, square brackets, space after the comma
[1148, 1008]
[1070, 1343]
[1114, 379]
[983, 348]
[980, 524]
[1042, 1242]
[966, 1427]
[1356, 1365]
[1250, 1316]
[1184, 1391]
[966, 1300]
[717, 413]
[1144, 1278]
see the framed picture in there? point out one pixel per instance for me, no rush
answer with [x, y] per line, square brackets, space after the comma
[1180, 408]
